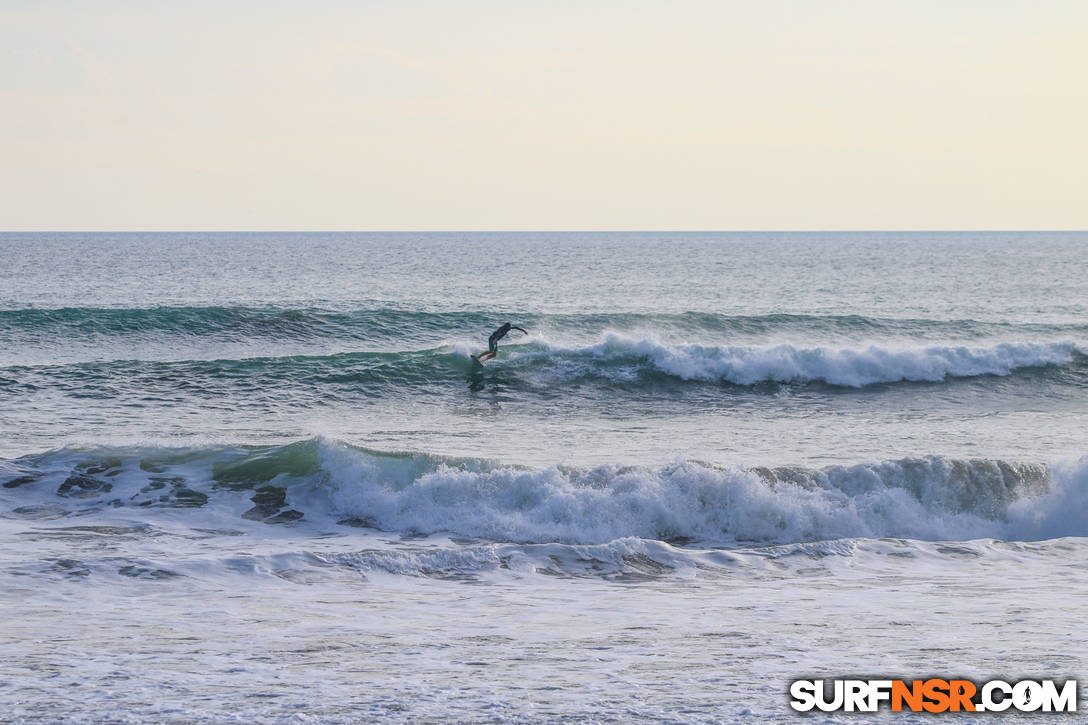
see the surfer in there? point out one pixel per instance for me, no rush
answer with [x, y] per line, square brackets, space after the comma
[493, 342]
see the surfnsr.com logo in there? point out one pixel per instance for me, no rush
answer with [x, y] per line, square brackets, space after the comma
[934, 695]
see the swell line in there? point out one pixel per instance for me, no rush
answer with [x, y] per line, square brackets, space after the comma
[240, 322]
[617, 360]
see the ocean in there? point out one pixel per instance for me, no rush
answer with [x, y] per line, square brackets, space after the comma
[257, 477]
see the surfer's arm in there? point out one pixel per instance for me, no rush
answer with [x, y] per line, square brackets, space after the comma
[520, 328]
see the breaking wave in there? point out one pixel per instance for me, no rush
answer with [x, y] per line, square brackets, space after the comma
[928, 498]
[615, 360]
[847, 367]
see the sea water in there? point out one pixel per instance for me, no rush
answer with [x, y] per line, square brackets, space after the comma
[258, 477]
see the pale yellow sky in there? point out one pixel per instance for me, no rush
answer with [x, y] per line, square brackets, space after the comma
[803, 114]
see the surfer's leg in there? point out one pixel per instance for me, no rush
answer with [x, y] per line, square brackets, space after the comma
[492, 351]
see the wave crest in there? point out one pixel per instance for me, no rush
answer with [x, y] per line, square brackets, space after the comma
[846, 367]
[929, 498]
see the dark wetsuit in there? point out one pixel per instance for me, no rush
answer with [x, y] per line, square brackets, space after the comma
[493, 341]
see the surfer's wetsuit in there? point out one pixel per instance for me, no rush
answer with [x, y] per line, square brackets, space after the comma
[493, 341]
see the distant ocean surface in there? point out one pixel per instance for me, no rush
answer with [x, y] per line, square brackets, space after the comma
[257, 477]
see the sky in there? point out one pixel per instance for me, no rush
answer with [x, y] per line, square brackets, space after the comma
[515, 114]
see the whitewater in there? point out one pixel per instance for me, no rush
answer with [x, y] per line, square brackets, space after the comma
[258, 478]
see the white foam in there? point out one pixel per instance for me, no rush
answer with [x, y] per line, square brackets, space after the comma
[852, 367]
[930, 499]
[1062, 511]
